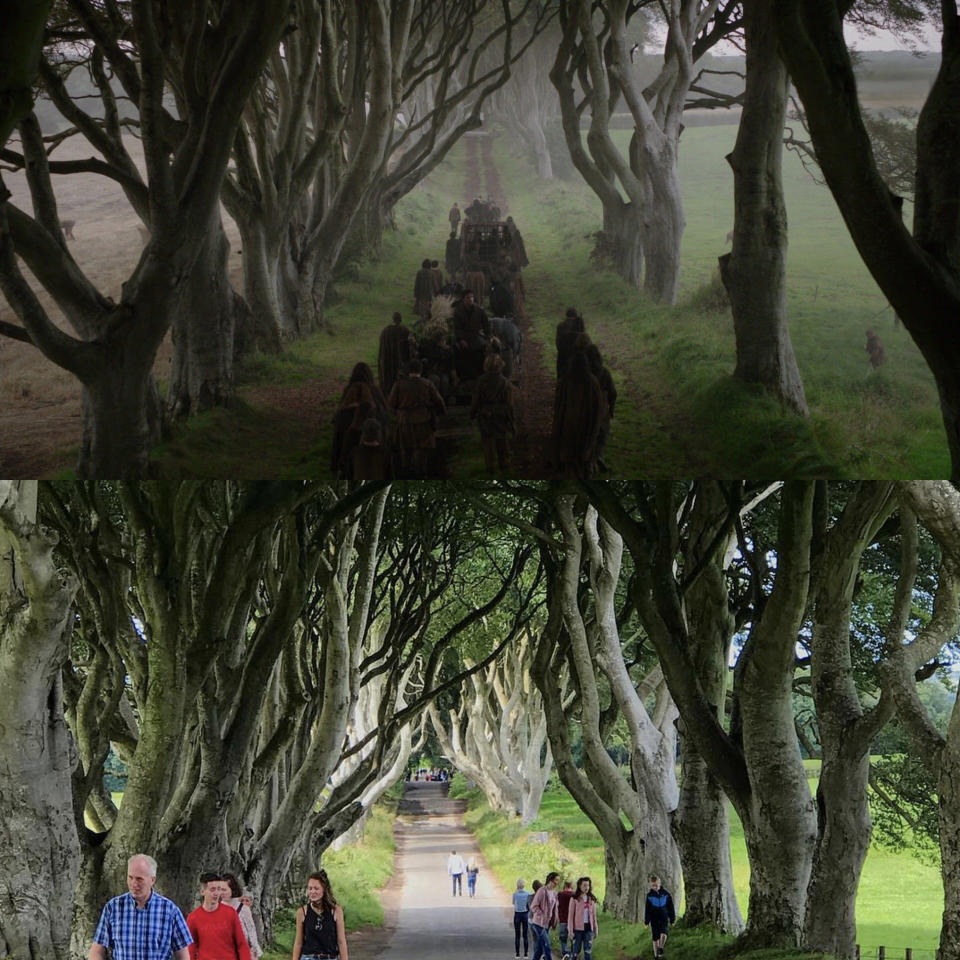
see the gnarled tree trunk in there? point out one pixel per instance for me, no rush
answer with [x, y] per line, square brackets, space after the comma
[663, 220]
[39, 849]
[754, 273]
[122, 413]
[703, 820]
[846, 731]
[203, 328]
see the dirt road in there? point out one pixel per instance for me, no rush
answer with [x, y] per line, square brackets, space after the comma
[428, 923]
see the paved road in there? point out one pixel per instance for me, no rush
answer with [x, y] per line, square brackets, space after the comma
[430, 924]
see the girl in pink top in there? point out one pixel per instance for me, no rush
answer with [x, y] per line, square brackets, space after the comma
[582, 919]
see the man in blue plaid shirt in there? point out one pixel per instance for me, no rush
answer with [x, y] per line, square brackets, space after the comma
[141, 925]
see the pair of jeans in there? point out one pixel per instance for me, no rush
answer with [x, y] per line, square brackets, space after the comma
[471, 883]
[584, 938]
[541, 942]
[457, 883]
[562, 930]
[520, 925]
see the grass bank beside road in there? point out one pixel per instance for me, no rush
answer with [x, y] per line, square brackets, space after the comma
[357, 874]
[574, 849]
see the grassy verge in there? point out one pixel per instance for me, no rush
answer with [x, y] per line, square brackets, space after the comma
[682, 409]
[574, 848]
[357, 873]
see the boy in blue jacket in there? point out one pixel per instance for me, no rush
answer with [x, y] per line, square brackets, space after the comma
[658, 914]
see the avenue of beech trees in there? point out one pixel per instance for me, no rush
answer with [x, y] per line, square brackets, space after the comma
[265, 658]
[309, 120]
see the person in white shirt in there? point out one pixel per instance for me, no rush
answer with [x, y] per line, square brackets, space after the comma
[455, 868]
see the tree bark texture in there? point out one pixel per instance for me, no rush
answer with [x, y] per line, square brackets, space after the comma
[781, 828]
[703, 821]
[204, 325]
[846, 731]
[937, 504]
[39, 849]
[754, 273]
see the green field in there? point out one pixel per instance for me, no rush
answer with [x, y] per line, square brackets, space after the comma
[680, 410]
[575, 850]
[678, 360]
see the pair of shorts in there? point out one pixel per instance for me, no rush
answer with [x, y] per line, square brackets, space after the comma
[658, 929]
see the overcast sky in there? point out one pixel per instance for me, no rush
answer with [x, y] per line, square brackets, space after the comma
[884, 40]
[881, 40]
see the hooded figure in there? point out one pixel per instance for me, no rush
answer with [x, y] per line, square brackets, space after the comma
[518, 252]
[578, 419]
[361, 400]
[395, 344]
[452, 257]
[424, 287]
[568, 329]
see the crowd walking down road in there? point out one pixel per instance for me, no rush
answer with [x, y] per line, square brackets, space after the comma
[143, 925]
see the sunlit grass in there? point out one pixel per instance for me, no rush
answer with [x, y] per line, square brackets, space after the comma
[575, 849]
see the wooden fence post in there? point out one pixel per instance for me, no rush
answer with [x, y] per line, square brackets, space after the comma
[881, 953]
[909, 953]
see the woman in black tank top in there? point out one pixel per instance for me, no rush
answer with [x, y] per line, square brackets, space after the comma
[320, 932]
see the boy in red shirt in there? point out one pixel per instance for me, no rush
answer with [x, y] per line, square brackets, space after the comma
[215, 928]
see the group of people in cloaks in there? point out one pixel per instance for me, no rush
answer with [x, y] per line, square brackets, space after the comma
[385, 427]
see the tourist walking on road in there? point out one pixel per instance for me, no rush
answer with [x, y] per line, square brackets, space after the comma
[140, 924]
[320, 930]
[658, 913]
[455, 869]
[215, 927]
[543, 916]
[582, 920]
[241, 904]
[563, 909]
[521, 904]
[472, 871]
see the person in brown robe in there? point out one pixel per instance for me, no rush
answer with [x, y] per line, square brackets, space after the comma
[424, 287]
[371, 458]
[609, 388]
[493, 410]
[568, 329]
[361, 400]
[577, 419]
[417, 405]
[454, 217]
[438, 273]
[395, 352]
